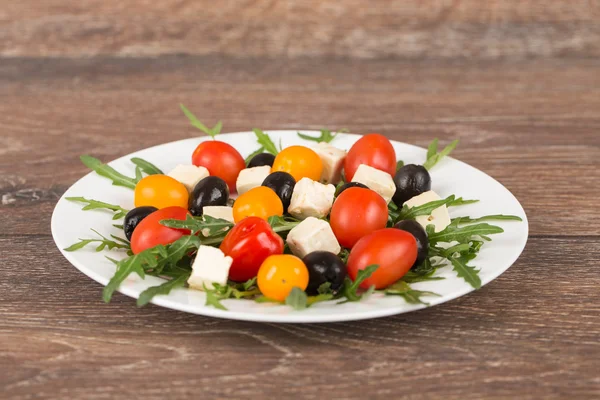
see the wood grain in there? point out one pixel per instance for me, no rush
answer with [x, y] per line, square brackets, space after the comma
[516, 81]
[450, 29]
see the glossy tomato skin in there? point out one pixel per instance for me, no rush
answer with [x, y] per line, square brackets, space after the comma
[374, 150]
[149, 232]
[160, 191]
[356, 213]
[249, 243]
[279, 274]
[221, 159]
[394, 250]
[414, 228]
[260, 202]
[134, 217]
[300, 162]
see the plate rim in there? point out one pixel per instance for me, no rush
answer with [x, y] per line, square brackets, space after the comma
[296, 316]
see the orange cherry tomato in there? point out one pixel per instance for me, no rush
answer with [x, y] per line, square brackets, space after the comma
[160, 191]
[279, 274]
[260, 202]
[300, 162]
[221, 159]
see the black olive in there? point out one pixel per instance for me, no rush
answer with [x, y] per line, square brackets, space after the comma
[323, 267]
[415, 229]
[262, 159]
[283, 184]
[210, 191]
[349, 185]
[411, 180]
[134, 217]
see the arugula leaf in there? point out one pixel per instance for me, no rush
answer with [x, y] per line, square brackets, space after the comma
[344, 254]
[207, 225]
[213, 299]
[469, 273]
[107, 171]
[350, 288]
[399, 165]
[413, 277]
[409, 294]
[424, 209]
[281, 224]
[297, 299]
[119, 211]
[433, 157]
[463, 234]
[168, 256]
[146, 166]
[163, 289]
[138, 174]
[249, 283]
[265, 141]
[127, 266]
[118, 226]
[326, 136]
[461, 202]
[254, 154]
[196, 123]
[497, 217]
[432, 148]
[104, 242]
[310, 300]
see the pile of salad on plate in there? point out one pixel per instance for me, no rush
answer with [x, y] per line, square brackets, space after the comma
[309, 224]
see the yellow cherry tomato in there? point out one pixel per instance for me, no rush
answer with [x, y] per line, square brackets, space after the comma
[300, 162]
[279, 274]
[160, 191]
[260, 202]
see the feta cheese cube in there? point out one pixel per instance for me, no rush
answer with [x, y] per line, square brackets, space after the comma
[210, 266]
[333, 162]
[376, 180]
[440, 218]
[250, 178]
[189, 175]
[222, 212]
[310, 235]
[311, 199]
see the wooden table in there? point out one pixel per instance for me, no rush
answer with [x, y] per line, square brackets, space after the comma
[516, 82]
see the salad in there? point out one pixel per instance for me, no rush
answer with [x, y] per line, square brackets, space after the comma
[296, 225]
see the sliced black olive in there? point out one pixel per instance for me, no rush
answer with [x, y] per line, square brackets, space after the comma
[261, 159]
[349, 185]
[323, 267]
[411, 180]
[210, 191]
[415, 229]
[283, 184]
[134, 217]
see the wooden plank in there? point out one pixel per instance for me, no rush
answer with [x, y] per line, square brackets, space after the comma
[468, 29]
[516, 121]
[532, 333]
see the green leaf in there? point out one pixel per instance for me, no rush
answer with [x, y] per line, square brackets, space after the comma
[213, 299]
[424, 209]
[324, 288]
[433, 157]
[125, 267]
[207, 225]
[106, 171]
[163, 289]
[326, 136]
[118, 226]
[399, 165]
[265, 141]
[461, 202]
[196, 123]
[410, 295]
[469, 273]
[146, 166]
[281, 224]
[260, 150]
[350, 289]
[138, 174]
[103, 243]
[296, 299]
[413, 277]
[119, 211]
[463, 234]
[497, 217]
[310, 300]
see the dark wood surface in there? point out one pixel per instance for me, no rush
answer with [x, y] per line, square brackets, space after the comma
[515, 81]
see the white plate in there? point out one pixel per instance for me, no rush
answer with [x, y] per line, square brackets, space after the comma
[450, 176]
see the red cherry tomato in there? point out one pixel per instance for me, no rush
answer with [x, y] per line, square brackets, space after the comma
[374, 150]
[395, 251]
[221, 159]
[150, 232]
[356, 213]
[249, 243]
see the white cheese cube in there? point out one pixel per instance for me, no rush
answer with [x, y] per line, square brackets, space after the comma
[210, 266]
[311, 199]
[376, 180]
[222, 212]
[440, 218]
[189, 175]
[250, 178]
[333, 162]
[310, 235]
